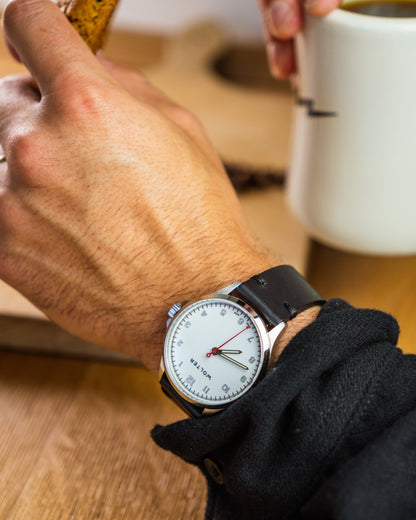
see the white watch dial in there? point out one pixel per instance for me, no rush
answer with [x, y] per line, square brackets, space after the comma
[213, 352]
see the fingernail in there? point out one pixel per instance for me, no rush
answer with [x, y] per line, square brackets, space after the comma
[279, 14]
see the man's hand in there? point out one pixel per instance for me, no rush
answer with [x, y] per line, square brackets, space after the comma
[113, 204]
[282, 21]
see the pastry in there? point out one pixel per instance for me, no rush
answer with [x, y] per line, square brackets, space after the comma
[90, 18]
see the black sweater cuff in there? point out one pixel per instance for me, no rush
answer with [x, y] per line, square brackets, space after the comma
[335, 389]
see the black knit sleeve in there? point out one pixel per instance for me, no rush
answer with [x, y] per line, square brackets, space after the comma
[329, 433]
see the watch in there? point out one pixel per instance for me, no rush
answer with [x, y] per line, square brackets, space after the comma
[217, 349]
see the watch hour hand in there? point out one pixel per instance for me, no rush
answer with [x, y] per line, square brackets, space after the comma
[232, 360]
[227, 352]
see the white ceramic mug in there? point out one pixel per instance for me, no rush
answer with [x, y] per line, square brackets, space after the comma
[352, 180]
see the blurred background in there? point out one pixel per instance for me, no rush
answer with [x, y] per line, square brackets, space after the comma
[240, 17]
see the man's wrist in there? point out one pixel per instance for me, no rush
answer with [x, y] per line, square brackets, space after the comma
[197, 286]
[293, 327]
[251, 265]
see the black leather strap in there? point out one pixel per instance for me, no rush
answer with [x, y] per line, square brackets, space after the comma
[190, 409]
[278, 294]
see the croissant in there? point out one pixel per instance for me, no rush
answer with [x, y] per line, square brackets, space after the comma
[90, 18]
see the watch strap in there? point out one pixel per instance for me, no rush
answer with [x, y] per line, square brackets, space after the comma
[189, 408]
[278, 294]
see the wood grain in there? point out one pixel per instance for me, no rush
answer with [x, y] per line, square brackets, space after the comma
[75, 444]
[258, 119]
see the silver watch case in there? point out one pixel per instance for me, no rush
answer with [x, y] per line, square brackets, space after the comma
[268, 337]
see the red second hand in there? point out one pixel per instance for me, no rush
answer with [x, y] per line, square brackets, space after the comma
[228, 340]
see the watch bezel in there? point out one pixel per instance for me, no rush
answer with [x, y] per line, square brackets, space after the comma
[264, 342]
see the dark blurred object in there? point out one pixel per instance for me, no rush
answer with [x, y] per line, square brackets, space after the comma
[246, 65]
[34, 336]
[244, 177]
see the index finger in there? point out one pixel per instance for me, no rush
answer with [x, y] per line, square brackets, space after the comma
[45, 41]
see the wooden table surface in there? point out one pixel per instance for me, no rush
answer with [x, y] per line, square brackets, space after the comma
[74, 437]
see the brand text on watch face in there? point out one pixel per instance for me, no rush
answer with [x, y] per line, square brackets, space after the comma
[203, 371]
[214, 353]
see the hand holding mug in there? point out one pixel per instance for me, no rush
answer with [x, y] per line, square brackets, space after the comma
[283, 19]
[352, 179]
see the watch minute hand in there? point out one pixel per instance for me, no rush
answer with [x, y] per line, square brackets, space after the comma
[232, 360]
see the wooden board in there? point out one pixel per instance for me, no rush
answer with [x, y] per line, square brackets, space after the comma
[75, 444]
[248, 124]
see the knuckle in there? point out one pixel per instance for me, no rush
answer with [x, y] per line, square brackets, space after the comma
[23, 151]
[26, 155]
[11, 81]
[185, 119]
[91, 99]
[80, 98]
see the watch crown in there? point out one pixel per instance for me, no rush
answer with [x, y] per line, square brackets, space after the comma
[174, 310]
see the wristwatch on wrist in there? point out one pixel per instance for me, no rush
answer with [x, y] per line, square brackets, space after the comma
[218, 348]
